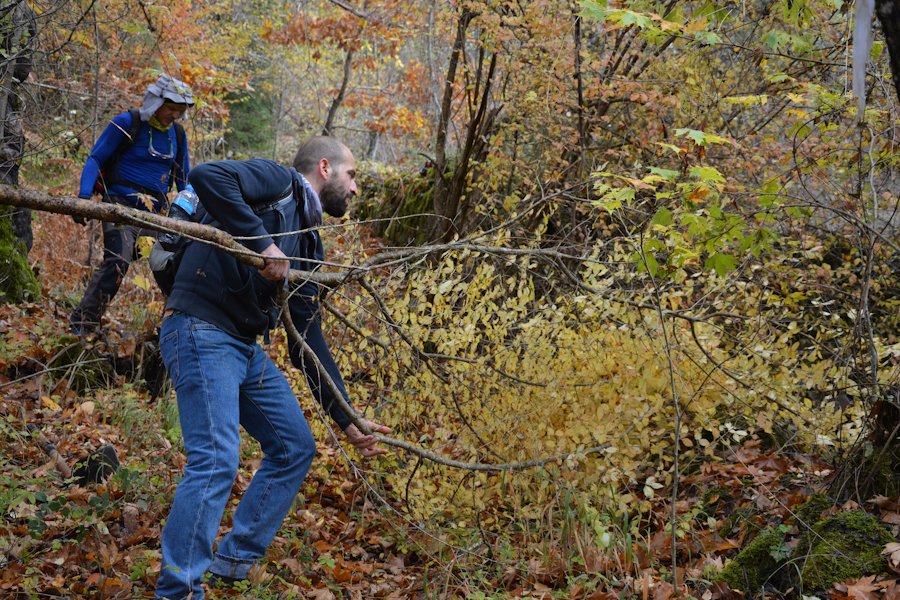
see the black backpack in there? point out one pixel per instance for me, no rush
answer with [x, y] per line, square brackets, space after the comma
[167, 251]
[109, 173]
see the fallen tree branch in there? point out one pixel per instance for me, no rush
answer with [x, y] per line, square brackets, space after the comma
[116, 213]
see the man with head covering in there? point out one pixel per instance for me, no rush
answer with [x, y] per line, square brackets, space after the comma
[134, 162]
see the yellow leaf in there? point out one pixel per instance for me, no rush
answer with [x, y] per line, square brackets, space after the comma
[142, 282]
[144, 245]
[48, 402]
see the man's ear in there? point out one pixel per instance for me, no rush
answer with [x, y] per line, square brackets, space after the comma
[324, 168]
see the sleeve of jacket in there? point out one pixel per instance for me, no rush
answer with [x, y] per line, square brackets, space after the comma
[227, 189]
[106, 145]
[306, 318]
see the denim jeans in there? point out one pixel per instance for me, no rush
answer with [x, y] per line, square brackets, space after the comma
[222, 382]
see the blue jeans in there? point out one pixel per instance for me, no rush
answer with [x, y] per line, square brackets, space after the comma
[221, 383]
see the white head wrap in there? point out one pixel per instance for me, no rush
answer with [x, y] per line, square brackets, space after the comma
[165, 88]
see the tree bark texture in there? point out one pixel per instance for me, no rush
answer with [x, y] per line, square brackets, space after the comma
[17, 33]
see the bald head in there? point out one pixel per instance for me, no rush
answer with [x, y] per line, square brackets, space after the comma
[329, 168]
[315, 149]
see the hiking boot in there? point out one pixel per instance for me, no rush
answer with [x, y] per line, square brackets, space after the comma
[83, 328]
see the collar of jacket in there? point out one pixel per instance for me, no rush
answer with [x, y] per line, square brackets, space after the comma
[312, 206]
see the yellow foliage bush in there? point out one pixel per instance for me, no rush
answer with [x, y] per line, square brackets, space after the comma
[486, 363]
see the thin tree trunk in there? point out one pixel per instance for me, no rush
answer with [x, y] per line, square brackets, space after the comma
[336, 103]
[442, 223]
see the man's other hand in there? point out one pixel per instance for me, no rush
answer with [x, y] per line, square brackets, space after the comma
[276, 265]
[366, 444]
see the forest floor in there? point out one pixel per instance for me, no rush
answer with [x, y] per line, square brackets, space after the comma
[61, 539]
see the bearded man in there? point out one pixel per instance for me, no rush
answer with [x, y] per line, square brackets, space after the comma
[225, 380]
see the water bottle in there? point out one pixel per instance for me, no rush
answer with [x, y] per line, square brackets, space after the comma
[182, 209]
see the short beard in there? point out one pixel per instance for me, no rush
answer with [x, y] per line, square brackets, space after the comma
[333, 200]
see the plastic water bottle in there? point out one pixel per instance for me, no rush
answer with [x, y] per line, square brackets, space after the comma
[182, 209]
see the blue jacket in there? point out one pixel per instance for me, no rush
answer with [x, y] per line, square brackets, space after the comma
[137, 164]
[242, 198]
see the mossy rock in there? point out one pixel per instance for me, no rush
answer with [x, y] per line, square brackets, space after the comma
[843, 547]
[756, 565]
[400, 203]
[83, 366]
[808, 513]
[17, 281]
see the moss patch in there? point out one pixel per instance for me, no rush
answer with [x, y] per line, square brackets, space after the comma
[808, 513]
[400, 203]
[842, 547]
[17, 281]
[756, 564]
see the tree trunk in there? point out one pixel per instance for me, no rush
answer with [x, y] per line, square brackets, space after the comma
[449, 188]
[443, 219]
[339, 99]
[17, 28]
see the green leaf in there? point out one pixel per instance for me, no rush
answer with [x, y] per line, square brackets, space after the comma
[646, 263]
[667, 174]
[721, 263]
[609, 205]
[775, 39]
[662, 217]
[651, 245]
[877, 50]
[593, 9]
[698, 137]
[707, 38]
[671, 147]
[707, 174]
[629, 18]
[701, 138]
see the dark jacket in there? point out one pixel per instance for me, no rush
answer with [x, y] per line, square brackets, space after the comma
[244, 198]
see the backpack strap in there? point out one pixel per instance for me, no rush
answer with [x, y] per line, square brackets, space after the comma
[109, 172]
[279, 205]
[181, 144]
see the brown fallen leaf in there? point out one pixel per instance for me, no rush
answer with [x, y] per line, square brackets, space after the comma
[891, 518]
[892, 551]
[861, 589]
[892, 591]
[321, 594]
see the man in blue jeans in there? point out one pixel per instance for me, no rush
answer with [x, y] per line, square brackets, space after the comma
[224, 379]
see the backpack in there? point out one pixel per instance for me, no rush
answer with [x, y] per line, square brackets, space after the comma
[166, 254]
[109, 173]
